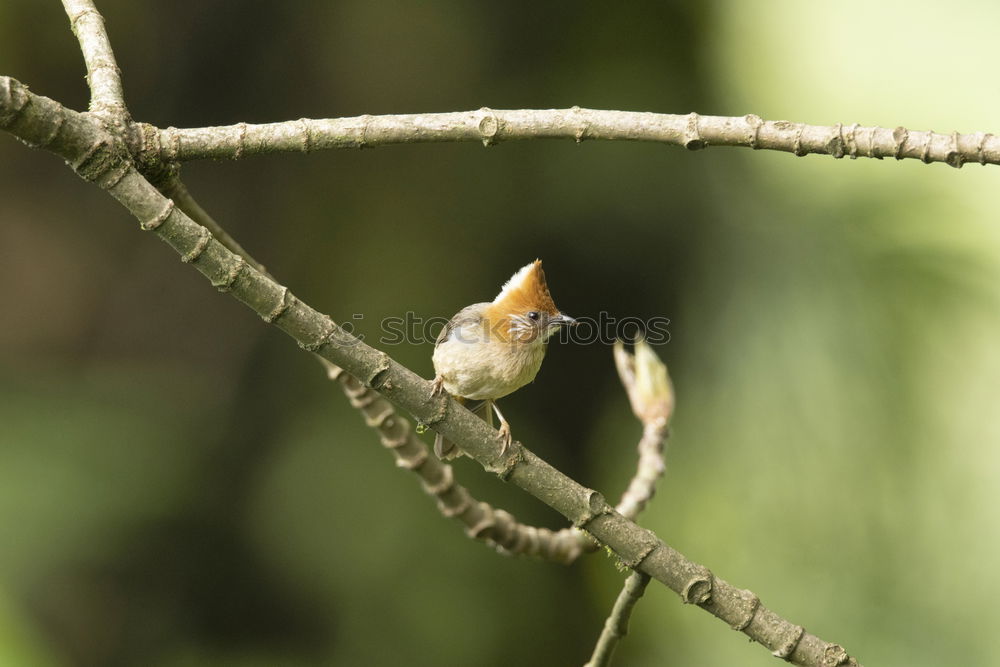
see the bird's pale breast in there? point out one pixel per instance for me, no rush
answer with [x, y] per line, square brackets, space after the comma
[478, 366]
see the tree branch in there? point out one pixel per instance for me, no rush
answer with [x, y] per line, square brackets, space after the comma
[96, 156]
[645, 380]
[103, 75]
[491, 126]
[496, 526]
[482, 521]
[616, 626]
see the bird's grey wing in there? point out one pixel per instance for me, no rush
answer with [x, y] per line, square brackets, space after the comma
[446, 449]
[469, 314]
[445, 332]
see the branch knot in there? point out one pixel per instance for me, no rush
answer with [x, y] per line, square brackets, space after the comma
[414, 462]
[852, 142]
[15, 97]
[698, 589]
[584, 126]
[692, 134]
[489, 126]
[241, 140]
[925, 152]
[791, 642]
[196, 251]
[646, 546]
[229, 279]
[797, 149]
[159, 218]
[596, 506]
[954, 157]
[751, 603]
[981, 146]
[279, 309]
[899, 137]
[835, 147]
[753, 135]
[306, 135]
[834, 655]
[329, 328]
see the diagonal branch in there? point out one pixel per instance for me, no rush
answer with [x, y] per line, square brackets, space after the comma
[645, 379]
[482, 521]
[491, 126]
[103, 75]
[94, 154]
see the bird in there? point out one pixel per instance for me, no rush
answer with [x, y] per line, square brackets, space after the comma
[489, 350]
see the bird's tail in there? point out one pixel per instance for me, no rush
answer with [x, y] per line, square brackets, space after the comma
[447, 450]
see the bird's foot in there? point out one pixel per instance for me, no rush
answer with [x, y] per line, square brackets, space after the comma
[505, 437]
[437, 387]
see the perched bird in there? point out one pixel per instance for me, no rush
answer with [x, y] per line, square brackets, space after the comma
[489, 350]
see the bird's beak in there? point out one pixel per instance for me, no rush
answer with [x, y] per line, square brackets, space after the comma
[563, 320]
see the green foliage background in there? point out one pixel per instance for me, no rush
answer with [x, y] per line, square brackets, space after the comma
[179, 485]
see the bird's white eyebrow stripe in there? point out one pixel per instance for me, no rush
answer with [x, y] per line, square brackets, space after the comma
[519, 323]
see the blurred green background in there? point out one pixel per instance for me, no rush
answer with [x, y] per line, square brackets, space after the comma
[180, 485]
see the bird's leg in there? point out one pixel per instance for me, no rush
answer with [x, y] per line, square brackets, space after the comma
[437, 387]
[477, 409]
[505, 437]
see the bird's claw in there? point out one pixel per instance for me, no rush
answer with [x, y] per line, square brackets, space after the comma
[505, 438]
[437, 387]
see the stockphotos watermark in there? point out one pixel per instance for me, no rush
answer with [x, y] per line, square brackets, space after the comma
[605, 329]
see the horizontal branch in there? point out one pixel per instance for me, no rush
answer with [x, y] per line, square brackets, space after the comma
[88, 147]
[491, 126]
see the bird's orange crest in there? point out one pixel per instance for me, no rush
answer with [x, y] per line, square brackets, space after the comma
[526, 290]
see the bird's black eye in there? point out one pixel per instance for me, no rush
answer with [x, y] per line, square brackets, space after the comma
[533, 315]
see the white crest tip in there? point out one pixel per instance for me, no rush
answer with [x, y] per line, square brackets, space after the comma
[517, 280]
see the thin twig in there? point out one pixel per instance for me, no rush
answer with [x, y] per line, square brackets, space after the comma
[91, 151]
[175, 189]
[616, 626]
[103, 75]
[492, 126]
[651, 395]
